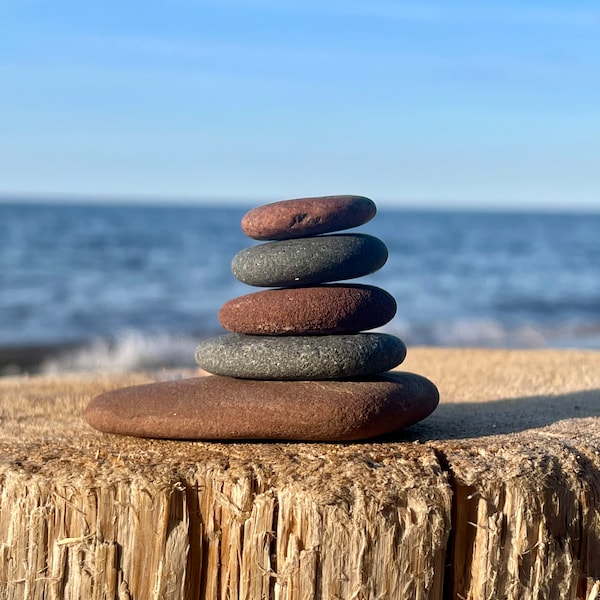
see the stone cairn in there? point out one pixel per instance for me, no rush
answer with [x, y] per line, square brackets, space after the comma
[297, 364]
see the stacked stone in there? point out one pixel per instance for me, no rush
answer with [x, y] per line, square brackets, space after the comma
[297, 364]
[307, 329]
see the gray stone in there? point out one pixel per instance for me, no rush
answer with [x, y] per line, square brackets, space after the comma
[309, 261]
[300, 357]
[223, 408]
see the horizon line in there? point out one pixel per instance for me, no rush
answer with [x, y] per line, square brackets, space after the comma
[149, 200]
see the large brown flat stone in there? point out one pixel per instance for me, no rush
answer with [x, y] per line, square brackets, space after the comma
[324, 309]
[222, 408]
[307, 216]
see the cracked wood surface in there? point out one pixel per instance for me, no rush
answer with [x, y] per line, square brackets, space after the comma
[496, 495]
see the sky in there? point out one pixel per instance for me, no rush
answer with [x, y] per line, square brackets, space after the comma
[431, 103]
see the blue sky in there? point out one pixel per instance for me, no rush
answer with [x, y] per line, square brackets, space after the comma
[428, 103]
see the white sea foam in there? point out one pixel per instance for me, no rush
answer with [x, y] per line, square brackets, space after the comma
[135, 351]
[146, 283]
[131, 351]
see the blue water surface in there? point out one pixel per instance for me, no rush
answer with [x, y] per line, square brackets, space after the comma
[159, 274]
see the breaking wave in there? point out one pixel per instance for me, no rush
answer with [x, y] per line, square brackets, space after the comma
[137, 351]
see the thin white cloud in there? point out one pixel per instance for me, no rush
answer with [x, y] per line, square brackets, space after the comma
[299, 61]
[428, 11]
[135, 60]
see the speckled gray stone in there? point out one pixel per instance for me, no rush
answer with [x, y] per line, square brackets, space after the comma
[309, 261]
[300, 357]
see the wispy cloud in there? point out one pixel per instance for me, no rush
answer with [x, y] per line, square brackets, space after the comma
[510, 12]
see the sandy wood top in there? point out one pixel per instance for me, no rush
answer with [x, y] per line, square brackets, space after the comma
[516, 433]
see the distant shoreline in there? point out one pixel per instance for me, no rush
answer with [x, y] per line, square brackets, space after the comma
[119, 356]
[16, 360]
[87, 200]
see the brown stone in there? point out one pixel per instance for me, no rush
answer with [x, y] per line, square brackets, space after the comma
[223, 408]
[324, 309]
[307, 216]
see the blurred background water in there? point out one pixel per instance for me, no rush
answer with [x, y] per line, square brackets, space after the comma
[125, 287]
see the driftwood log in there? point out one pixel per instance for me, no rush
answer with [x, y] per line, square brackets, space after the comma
[496, 495]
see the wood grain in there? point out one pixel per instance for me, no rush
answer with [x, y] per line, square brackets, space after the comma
[496, 495]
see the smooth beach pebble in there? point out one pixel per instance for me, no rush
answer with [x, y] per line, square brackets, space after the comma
[300, 357]
[325, 309]
[222, 408]
[309, 261]
[307, 216]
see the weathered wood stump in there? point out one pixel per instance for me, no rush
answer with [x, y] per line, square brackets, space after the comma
[496, 495]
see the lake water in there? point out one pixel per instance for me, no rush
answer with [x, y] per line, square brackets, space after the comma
[127, 287]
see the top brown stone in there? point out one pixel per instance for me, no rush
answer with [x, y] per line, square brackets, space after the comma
[304, 217]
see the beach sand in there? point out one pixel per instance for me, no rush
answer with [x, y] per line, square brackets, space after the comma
[497, 494]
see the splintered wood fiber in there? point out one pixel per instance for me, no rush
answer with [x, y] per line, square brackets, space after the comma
[526, 526]
[239, 523]
[85, 515]
[497, 495]
[519, 435]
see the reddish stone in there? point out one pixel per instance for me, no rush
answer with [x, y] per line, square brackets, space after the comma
[324, 309]
[307, 216]
[224, 408]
